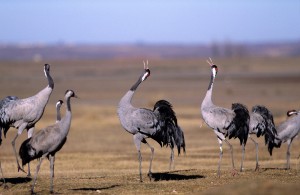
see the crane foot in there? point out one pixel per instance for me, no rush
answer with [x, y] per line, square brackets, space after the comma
[20, 169]
[234, 172]
[150, 175]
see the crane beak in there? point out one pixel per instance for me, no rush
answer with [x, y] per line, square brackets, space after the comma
[210, 62]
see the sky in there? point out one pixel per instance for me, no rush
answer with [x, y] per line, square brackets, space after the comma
[149, 21]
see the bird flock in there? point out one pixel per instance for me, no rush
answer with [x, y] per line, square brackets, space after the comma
[159, 124]
[24, 114]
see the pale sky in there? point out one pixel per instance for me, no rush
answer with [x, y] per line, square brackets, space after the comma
[149, 21]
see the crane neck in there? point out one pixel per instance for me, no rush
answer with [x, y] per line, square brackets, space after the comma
[135, 85]
[207, 101]
[211, 83]
[68, 100]
[50, 80]
[58, 115]
[126, 99]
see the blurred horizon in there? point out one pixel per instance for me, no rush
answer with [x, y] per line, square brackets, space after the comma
[188, 22]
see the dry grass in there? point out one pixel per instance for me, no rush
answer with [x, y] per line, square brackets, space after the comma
[100, 157]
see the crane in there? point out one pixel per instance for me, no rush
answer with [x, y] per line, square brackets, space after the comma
[159, 124]
[47, 142]
[225, 122]
[25, 113]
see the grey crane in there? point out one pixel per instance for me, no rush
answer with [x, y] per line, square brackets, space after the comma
[58, 118]
[261, 124]
[287, 131]
[159, 124]
[225, 122]
[47, 142]
[25, 113]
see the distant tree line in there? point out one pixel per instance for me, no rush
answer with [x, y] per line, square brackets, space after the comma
[228, 49]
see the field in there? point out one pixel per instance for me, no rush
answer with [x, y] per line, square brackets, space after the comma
[100, 157]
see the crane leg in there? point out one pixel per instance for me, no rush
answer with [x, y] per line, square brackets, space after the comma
[297, 165]
[172, 155]
[256, 149]
[15, 151]
[5, 186]
[151, 159]
[220, 157]
[288, 154]
[28, 174]
[13, 143]
[52, 159]
[243, 157]
[140, 165]
[172, 160]
[29, 135]
[36, 173]
[234, 172]
[137, 142]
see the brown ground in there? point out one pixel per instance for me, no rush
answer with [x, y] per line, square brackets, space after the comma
[100, 157]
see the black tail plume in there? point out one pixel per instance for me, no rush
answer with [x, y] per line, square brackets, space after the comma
[4, 124]
[276, 143]
[179, 140]
[241, 123]
[270, 132]
[169, 128]
[26, 152]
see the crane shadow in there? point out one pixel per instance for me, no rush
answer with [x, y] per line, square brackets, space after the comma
[95, 189]
[174, 175]
[273, 168]
[17, 180]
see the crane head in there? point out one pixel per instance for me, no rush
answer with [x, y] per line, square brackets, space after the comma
[214, 67]
[59, 103]
[46, 69]
[146, 71]
[70, 93]
[291, 112]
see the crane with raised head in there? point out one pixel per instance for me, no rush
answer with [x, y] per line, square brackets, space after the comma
[231, 123]
[159, 124]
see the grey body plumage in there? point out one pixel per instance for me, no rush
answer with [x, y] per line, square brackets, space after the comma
[287, 131]
[5, 127]
[159, 124]
[25, 113]
[231, 123]
[48, 141]
[262, 124]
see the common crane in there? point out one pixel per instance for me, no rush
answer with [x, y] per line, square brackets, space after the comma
[225, 122]
[47, 142]
[287, 131]
[25, 113]
[159, 124]
[261, 124]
